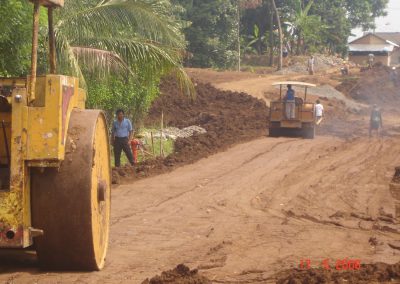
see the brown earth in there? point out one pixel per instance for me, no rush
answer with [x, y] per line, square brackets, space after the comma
[179, 275]
[367, 274]
[228, 117]
[251, 213]
[376, 86]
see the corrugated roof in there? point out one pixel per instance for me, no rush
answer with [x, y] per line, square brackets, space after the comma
[371, 47]
[393, 37]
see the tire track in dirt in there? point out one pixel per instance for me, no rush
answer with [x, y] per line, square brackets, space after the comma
[226, 214]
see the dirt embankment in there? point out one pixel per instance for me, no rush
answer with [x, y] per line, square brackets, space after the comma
[370, 273]
[228, 117]
[379, 86]
[366, 274]
[179, 275]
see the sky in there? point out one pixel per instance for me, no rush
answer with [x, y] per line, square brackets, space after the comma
[390, 23]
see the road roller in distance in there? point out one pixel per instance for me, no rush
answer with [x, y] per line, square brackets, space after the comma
[55, 171]
[302, 123]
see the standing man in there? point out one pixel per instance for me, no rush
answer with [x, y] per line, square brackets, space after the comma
[290, 103]
[375, 121]
[311, 62]
[345, 68]
[122, 132]
[285, 54]
[319, 112]
[371, 59]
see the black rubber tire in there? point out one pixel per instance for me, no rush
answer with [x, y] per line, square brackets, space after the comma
[309, 133]
[274, 132]
[72, 204]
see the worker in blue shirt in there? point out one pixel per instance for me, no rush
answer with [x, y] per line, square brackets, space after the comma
[122, 133]
[290, 103]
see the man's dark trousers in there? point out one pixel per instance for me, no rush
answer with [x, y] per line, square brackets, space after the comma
[122, 144]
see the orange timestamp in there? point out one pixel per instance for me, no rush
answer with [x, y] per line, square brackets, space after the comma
[345, 264]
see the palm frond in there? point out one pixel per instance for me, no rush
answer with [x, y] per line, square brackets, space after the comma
[141, 57]
[117, 17]
[135, 37]
[67, 60]
[100, 61]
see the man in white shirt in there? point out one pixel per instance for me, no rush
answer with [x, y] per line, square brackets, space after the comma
[371, 58]
[319, 112]
[311, 62]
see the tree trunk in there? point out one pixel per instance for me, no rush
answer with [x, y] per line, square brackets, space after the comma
[238, 36]
[278, 20]
[271, 37]
[298, 43]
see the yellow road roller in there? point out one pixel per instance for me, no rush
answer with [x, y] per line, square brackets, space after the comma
[296, 119]
[55, 172]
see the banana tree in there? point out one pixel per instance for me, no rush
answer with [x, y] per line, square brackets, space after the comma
[256, 40]
[126, 37]
[303, 26]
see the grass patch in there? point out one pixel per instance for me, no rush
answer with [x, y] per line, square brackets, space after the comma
[149, 150]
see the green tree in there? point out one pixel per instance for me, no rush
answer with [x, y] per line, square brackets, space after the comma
[128, 37]
[306, 27]
[113, 93]
[337, 26]
[362, 13]
[119, 48]
[212, 33]
[15, 37]
[323, 25]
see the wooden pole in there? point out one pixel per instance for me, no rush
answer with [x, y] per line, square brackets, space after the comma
[36, 10]
[161, 136]
[52, 42]
[238, 36]
[152, 143]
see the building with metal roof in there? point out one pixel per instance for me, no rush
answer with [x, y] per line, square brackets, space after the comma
[385, 48]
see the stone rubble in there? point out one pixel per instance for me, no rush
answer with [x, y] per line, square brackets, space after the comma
[175, 133]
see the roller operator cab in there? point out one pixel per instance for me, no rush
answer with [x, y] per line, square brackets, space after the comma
[296, 116]
[55, 172]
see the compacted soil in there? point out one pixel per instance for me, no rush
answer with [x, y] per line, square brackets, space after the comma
[268, 210]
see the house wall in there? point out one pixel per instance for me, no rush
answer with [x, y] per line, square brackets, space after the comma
[395, 57]
[363, 59]
[369, 39]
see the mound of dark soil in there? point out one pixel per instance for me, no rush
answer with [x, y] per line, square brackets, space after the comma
[211, 108]
[369, 273]
[228, 117]
[179, 275]
[376, 86]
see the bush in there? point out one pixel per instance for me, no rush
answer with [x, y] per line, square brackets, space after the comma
[114, 93]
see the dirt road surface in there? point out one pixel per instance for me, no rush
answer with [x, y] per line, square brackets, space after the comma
[245, 214]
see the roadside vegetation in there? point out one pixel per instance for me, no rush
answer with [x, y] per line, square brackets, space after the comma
[151, 149]
[121, 49]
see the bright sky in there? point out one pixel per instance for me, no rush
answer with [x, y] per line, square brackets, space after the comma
[391, 23]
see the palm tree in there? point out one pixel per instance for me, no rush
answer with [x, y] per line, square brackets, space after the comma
[120, 36]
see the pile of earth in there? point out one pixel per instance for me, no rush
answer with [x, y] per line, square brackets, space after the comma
[228, 117]
[179, 275]
[368, 273]
[378, 86]
[299, 64]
